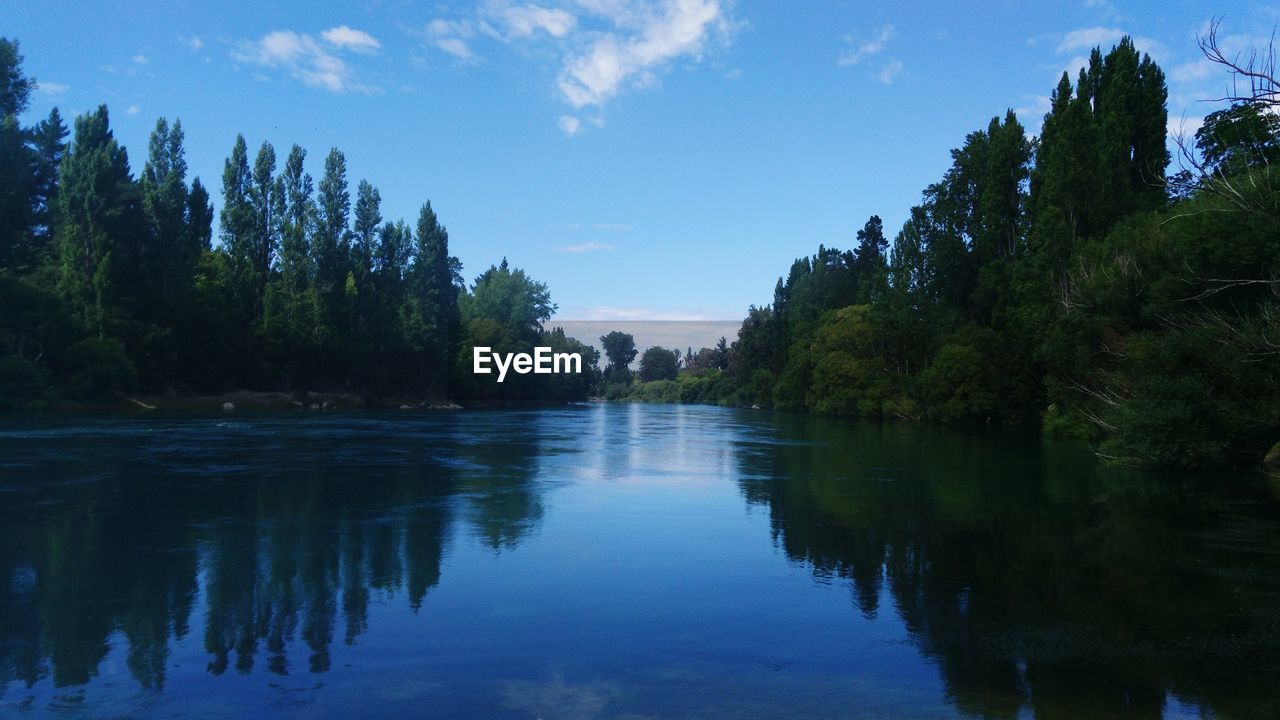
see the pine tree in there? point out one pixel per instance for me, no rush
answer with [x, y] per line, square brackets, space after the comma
[49, 142]
[870, 260]
[435, 296]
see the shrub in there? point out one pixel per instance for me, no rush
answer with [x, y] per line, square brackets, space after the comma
[21, 382]
[98, 370]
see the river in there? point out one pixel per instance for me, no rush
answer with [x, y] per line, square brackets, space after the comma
[613, 561]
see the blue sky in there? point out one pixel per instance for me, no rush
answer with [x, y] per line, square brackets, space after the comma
[648, 159]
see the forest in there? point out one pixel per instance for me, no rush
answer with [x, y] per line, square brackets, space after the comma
[113, 285]
[1067, 279]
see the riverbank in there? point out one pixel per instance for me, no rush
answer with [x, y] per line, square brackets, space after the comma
[250, 401]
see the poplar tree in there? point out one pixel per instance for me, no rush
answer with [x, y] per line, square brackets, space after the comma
[97, 214]
[237, 228]
[434, 296]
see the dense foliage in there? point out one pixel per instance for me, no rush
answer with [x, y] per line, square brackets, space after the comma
[1060, 279]
[111, 284]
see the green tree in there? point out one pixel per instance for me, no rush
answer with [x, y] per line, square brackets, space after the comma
[435, 300]
[620, 350]
[98, 220]
[16, 160]
[659, 363]
[49, 143]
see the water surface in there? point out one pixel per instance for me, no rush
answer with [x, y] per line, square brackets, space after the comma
[619, 562]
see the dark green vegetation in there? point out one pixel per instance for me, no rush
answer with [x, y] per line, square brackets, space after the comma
[1065, 280]
[111, 284]
[1062, 279]
[620, 561]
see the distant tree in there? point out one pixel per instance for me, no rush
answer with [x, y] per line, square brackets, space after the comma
[659, 363]
[720, 357]
[619, 349]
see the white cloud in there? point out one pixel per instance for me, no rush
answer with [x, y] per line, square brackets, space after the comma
[640, 45]
[1184, 127]
[867, 48]
[889, 71]
[51, 89]
[605, 47]
[522, 21]
[1074, 66]
[139, 59]
[451, 36]
[570, 125]
[351, 39]
[133, 110]
[1033, 109]
[583, 247]
[456, 47]
[303, 57]
[1104, 7]
[1086, 39]
[194, 43]
[1193, 71]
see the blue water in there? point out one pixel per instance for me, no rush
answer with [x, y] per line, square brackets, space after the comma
[619, 562]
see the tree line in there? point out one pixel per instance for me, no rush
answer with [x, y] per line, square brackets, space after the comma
[1063, 279]
[112, 284]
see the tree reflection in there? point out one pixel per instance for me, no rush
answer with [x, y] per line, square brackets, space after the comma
[1035, 582]
[282, 557]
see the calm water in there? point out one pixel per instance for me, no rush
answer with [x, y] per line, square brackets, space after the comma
[619, 562]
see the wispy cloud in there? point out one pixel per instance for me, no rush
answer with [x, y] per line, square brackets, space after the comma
[139, 59]
[644, 40]
[583, 247]
[1184, 126]
[1085, 39]
[307, 59]
[605, 47]
[133, 110]
[350, 39]
[866, 48]
[522, 21]
[1032, 111]
[52, 89]
[193, 42]
[1104, 7]
[453, 36]
[570, 125]
[889, 71]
